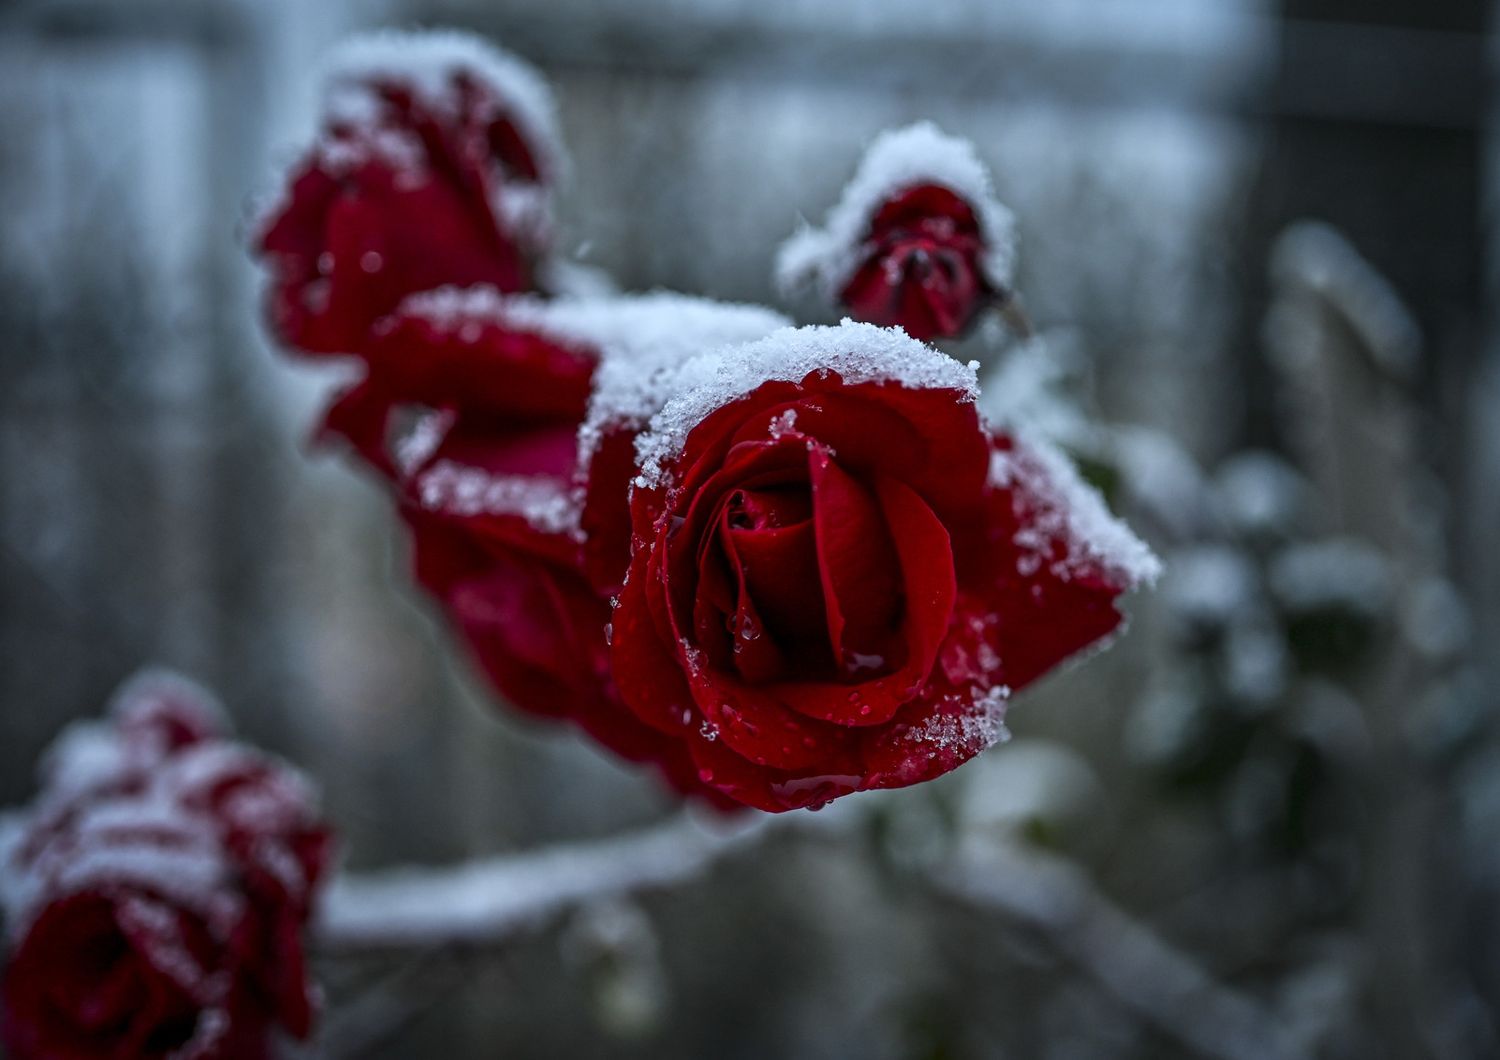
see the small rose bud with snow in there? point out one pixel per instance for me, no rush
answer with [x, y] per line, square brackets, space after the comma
[918, 239]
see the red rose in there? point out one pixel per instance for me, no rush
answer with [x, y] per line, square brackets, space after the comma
[433, 170]
[920, 266]
[120, 973]
[836, 578]
[918, 239]
[158, 889]
[123, 921]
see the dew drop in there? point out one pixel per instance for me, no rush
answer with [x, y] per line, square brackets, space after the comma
[706, 775]
[371, 261]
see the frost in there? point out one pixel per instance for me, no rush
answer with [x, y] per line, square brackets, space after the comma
[547, 504]
[980, 727]
[427, 62]
[1338, 573]
[858, 353]
[898, 159]
[1066, 506]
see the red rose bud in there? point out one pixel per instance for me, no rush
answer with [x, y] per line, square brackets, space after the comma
[434, 168]
[918, 239]
[837, 578]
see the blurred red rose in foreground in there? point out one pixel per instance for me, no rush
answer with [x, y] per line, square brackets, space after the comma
[157, 891]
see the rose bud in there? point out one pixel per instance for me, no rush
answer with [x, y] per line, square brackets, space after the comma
[837, 577]
[433, 168]
[918, 239]
[492, 500]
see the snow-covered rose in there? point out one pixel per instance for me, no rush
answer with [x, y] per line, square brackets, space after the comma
[837, 576]
[157, 890]
[118, 972]
[433, 168]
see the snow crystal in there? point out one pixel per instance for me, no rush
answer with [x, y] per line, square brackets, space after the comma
[426, 61]
[898, 159]
[1069, 506]
[1338, 573]
[979, 728]
[548, 504]
[642, 339]
[859, 353]
[418, 445]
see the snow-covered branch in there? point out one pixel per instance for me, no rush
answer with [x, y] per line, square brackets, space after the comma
[483, 902]
[486, 902]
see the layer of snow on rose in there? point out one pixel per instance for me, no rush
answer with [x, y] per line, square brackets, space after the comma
[858, 353]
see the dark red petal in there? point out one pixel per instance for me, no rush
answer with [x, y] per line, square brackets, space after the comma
[857, 566]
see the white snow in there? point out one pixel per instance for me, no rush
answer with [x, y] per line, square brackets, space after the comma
[858, 353]
[547, 504]
[662, 325]
[1068, 506]
[426, 62]
[644, 341]
[116, 815]
[897, 160]
[1025, 391]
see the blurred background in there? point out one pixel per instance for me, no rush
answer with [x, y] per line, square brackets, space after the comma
[1258, 234]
